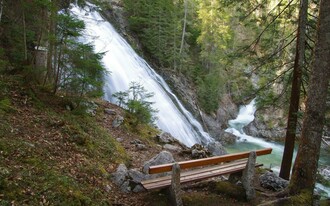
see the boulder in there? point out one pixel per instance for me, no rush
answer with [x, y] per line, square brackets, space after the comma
[110, 111]
[228, 138]
[172, 147]
[141, 147]
[120, 178]
[128, 180]
[166, 138]
[271, 181]
[162, 158]
[135, 180]
[117, 121]
[216, 148]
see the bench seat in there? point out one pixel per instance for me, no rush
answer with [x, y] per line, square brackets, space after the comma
[198, 174]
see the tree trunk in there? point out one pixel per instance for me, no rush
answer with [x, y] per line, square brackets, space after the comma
[184, 25]
[295, 93]
[306, 163]
[24, 34]
[51, 45]
[1, 9]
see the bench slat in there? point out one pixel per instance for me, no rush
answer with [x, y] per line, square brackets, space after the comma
[206, 161]
[197, 175]
[196, 171]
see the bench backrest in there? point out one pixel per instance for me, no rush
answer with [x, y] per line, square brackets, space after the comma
[206, 161]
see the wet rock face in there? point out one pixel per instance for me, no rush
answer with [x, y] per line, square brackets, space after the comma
[271, 181]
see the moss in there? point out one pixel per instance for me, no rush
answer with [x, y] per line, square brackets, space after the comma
[230, 190]
[158, 199]
[303, 198]
[196, 199]
[5, 106]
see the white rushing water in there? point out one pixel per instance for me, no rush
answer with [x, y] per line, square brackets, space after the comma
[125, 66]
[248, 143]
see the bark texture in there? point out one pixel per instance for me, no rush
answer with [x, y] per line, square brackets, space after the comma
[295, 93]
[305, 167]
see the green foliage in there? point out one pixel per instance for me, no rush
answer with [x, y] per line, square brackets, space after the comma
[158, 25]
[135, 100]
[209, 91]
[84, 72]
[79, 70]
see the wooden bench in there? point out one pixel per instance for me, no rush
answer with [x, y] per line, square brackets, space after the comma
[203, 169]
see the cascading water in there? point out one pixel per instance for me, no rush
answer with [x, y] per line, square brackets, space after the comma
[248, 143]
[125, 66]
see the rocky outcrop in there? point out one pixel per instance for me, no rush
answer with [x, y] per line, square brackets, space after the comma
[269, 124]
[271, 181]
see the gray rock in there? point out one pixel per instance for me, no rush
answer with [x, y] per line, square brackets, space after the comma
[141, 147]
[107, 188]
[138, 188]
[121, 175]
[216, 148]
[271, 181]
[325, 172]
[137, 176]
[117, 121]
[119, 139]
[110, 111]
[136, 142]
[165, 137]
[128, 180]
[91, 112]
[125, 187]
[228, 138]
[162, 158]
[172, 147]
[135, 180]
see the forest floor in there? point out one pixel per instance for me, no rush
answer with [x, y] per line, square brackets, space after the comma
[50, 155]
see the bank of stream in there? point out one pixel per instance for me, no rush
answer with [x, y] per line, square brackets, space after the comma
[248, 143]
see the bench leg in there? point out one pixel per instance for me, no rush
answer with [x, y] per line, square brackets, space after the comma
[175, 189]
[248, 175]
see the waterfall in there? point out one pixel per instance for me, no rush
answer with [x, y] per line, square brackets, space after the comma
[248, 143]
[125, 66]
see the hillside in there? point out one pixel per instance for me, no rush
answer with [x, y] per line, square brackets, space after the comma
[53, 156]
[50, 155]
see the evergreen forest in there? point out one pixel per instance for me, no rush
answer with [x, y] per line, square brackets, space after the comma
[60, 142]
